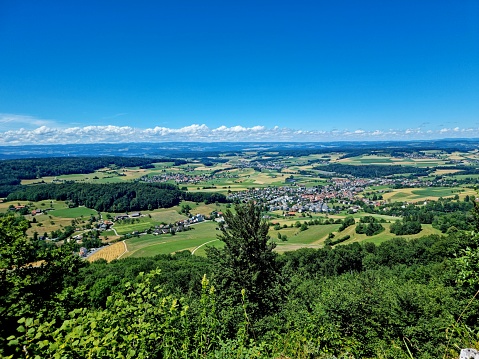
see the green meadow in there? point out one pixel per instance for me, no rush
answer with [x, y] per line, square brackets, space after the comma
[73, 212]
[151, 245]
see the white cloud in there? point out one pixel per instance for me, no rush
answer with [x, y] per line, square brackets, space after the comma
[45, 132]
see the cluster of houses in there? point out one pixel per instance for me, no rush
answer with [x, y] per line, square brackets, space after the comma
[179, 226]
[292, 199]
[183, 178]
[123, 216]
[266, 165]
[177, 177]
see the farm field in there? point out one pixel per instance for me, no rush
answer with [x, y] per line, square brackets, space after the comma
[427, 229]
[387, 160]
[236, 176]
[151, 245]
[99, 176]
[205, 233]
[429, 193]
[313, 237]
[109, 253]
[73, 212]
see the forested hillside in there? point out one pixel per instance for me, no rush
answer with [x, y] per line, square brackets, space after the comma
[372, 171]
[13, 171]
[114, 197]
[399, 299]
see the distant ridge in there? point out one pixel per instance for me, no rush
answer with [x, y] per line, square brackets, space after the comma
[193, 149]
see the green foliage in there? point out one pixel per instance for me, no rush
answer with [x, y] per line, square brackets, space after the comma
[114, 197]
[32, 274]
[400, 299]
[139, 323]
[330, 242]
[372, 171]
[13, 171]
[348, 221]
[369, 225]
[247, 262]
[401, 228]
[468, 264]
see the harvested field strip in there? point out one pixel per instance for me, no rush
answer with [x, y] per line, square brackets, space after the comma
[109, 253]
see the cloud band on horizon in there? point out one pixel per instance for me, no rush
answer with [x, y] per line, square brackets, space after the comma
[51, 134]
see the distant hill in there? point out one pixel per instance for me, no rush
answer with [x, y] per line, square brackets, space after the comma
[194, 149]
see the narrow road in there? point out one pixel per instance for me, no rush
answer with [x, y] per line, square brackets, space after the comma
[114, 230]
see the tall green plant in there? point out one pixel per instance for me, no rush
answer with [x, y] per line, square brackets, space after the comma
[247, 262]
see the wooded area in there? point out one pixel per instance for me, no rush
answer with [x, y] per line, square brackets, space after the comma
[394, 300]
[114, 197]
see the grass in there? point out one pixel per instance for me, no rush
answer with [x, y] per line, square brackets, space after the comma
[205, 234]
[165, 215]
[386, 235]
[99, 176]
[127, 228]
[387, 160]
[150, 219]
[46, 224]
[313, 237]
[73, 212]
[428, 193]
[150, 245]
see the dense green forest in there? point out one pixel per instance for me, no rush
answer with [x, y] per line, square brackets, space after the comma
[13, 171]
[399, 299]
[114, 197]
[372, 171]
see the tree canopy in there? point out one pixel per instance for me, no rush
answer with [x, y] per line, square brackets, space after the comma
[247, 261]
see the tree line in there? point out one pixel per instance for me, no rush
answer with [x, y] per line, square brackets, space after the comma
[372, 171]
[399, 299]
[13, 171]
[114, 197]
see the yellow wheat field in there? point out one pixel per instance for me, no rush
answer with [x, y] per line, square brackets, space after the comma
[109, 253]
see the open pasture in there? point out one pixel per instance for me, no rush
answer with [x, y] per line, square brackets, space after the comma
[165, 215]
[387, 160]
[205, 234]
[313, 237]
[445, 172]
[151, 245]
[429, 193]
[4, 205]
[73, 212]
[45, 224]
[386, 235]
[368, 159]
[99, 176]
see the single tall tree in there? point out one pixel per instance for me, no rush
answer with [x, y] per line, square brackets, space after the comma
[247, 262]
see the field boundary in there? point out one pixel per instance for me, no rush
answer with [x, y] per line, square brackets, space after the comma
[201, 245]
[126, 250]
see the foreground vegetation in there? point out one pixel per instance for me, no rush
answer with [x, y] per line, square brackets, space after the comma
[399, 299]
[357, 254]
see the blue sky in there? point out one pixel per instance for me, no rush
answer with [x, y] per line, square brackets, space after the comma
[109, 71]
